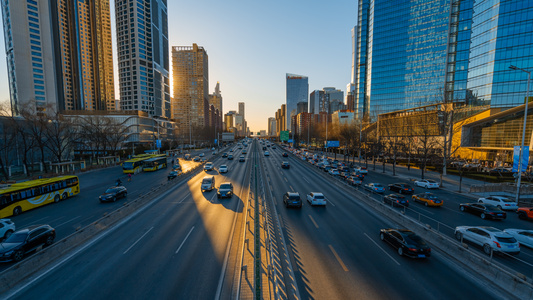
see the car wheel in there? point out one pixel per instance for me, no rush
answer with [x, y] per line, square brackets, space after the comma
[56, 198]
[400, 251]
[382, 236]
[8, 234]
[64, 196]
[483, 216]
[522, 216]
[486, 249]
[480, 201]
[17, 256]
[462, 208]
[458, 236]
[17, 211]
[49, 240]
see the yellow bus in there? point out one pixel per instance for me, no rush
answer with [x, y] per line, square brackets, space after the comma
[23, 196]
[155, 163]
[134, 165]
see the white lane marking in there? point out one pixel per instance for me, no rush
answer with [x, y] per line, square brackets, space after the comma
[306, 180]
[39, 220]
[285, 179]
[313, 220]
[328, 200]
[138, 240]
[338, 258]
[184, 198]
[67, 221]
[184, 240]
[213, 198]
[382, 249]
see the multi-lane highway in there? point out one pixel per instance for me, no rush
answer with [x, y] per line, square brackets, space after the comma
[185, 244]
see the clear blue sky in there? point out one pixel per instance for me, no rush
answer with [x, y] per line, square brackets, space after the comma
[252, 44]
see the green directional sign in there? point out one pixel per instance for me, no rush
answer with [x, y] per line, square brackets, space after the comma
[284, 136]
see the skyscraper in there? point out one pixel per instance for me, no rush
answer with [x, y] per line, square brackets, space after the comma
[297, 90]
[456, 51]
[314, 101]
[59, 52]
[143, 58]
[215, 99]
[190, 86]
[241, 109]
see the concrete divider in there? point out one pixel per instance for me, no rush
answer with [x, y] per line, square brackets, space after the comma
[29, 266]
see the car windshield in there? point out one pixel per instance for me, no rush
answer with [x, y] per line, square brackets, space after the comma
[223, 167]
[378, 185]
[16, 238]
[319, 197]
[294, 197]
[225, 186]
[491, 207]
[527, 233]
[415, 239]
[432, 181]
[108, 191]
[206, 181]
[506, 200]
[506, 239]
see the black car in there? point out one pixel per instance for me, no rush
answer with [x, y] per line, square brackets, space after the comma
[224, 155]
[26, 240]
[358, 175]
[485, 211]
[406, 242]
[285, 165]
[285, 154]
[402, 188]
[113, 193]
[292, 199]
[396, 200]
[173, 174]
[264, 148]
[225, 190]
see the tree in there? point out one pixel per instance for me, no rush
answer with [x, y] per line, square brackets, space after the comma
[61, 135]
[7, 139]
[36, 123]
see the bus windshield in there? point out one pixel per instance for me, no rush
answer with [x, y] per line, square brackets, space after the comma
[127, 165]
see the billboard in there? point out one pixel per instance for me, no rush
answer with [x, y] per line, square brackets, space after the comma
[332, 144]
[158, 144]
[291, 141]
[284, 135]
[525, 158]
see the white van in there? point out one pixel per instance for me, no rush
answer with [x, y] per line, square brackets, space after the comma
[208, 183]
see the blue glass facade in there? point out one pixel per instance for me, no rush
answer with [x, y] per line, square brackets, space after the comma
[297, 90]
[419, 52]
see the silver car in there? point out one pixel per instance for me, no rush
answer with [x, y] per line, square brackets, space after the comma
[490, 238]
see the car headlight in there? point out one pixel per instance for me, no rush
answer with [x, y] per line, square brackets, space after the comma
[9, 253]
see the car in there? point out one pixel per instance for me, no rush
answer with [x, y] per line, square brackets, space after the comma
[176, 167]
[187, 156]
[406, 242]
[225, 190]
[315, 198]
[361, 170]
[243, 151]
[273, 147]
[25, 241]
[196, 158]
[230, 157]
[292, 199]
[358, 175]
[485, 211]
[285, 154]
[402, 188]
[231, 150]
[113, 193]
[354, 180]
[525, 213]
[264, 147]
[396, 200]
[427, 183]
[223, 169]
[208, 166]
[523, 236]
[213, 149]
[208, 183]
[500, 171]
[285, 165]
[173, 174]
[334, 172]
[7, 227]
[267, 153]
[490, 238]
[241, 158]
[375, 187]
[224, 155]
[501, 202]
[429, 199]
[201, 155]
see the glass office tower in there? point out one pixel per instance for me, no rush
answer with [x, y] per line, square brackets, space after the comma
[419, 52]
[297, 90]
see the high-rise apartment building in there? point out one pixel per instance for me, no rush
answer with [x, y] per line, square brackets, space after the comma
[215, 99]
[432, 51]
[241, 109]
[143, 56]
[271, 126]
[190, 86]
[297, 90]
[59, 52]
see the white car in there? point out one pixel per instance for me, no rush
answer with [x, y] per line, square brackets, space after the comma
[315, 198]
[201, 155]
[361, 170]
[267, 153]
[7, 227]
[427, 183]
[208, 166]
[334, 172]
[489, 238]
[501, 202]
[524, 237]
[223, 169]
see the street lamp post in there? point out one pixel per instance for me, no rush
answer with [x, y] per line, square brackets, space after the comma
[523, 132]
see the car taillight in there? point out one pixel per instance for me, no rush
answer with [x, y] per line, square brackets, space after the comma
[507, 204]
[413, 249]
[405, 189]
[497, 244]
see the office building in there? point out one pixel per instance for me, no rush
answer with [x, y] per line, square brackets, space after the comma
[271, 126]
[241, 109]
[59, 53]
[143, 55]
[343, 118]
[454, 51]
[215, 99]
[297, 90]
[190, 86]
[315, 101]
